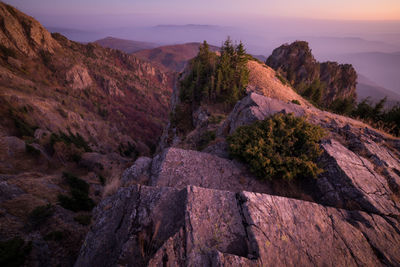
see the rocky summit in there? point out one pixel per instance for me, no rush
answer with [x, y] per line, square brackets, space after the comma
[202, 208]
[297, 64]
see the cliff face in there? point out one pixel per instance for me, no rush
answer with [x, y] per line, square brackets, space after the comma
[192, 208]
[298, 65]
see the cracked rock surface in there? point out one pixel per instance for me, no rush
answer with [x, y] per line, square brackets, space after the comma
[191, 208]
[194, 226]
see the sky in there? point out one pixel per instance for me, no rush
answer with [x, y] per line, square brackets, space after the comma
[315, 9]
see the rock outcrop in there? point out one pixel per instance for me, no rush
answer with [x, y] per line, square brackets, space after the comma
[201, 227]
[298, 65]
[190, 208]
[78, 78]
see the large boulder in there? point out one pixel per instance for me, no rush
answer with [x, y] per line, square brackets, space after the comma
[179, 168]
[257, 107]
[78, 77]
[156, 226]
[351, 182]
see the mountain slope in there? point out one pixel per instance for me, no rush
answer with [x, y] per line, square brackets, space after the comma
[201, 208]
[172, 57]
[127, 46]
[81, 110]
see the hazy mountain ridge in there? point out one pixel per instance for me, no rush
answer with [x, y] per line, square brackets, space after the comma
[127, 46]
[367, 88]
[172, 57]
[382, 68]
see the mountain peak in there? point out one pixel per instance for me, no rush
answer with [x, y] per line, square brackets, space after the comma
[22, 33]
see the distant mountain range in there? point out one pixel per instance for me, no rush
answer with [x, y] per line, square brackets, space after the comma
[367, 88]
[188, 26]
[381, 68]
[328, 46]
[127, 46]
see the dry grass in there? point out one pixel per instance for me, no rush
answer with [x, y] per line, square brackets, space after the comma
[148, 242]
[112, 187]
[263, 80]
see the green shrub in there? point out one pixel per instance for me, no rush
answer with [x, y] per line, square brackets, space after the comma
[342, 106]
[377, 116]
[280, 78]
[14, 251]
[295, 101]
[83, 219]
[69, 139]
[79, 191]
[40, 214]
[205, 139]
[282, 146]
[23, 127]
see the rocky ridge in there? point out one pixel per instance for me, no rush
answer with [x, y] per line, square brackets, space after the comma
[297, 64]
[192, 208]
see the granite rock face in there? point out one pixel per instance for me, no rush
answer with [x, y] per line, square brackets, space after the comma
[351, 182]
[179, 168]
[78, 78]
[256, 107]
[191, 208]
[194, 226]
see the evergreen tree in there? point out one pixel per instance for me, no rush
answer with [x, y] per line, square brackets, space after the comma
[216, 79]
